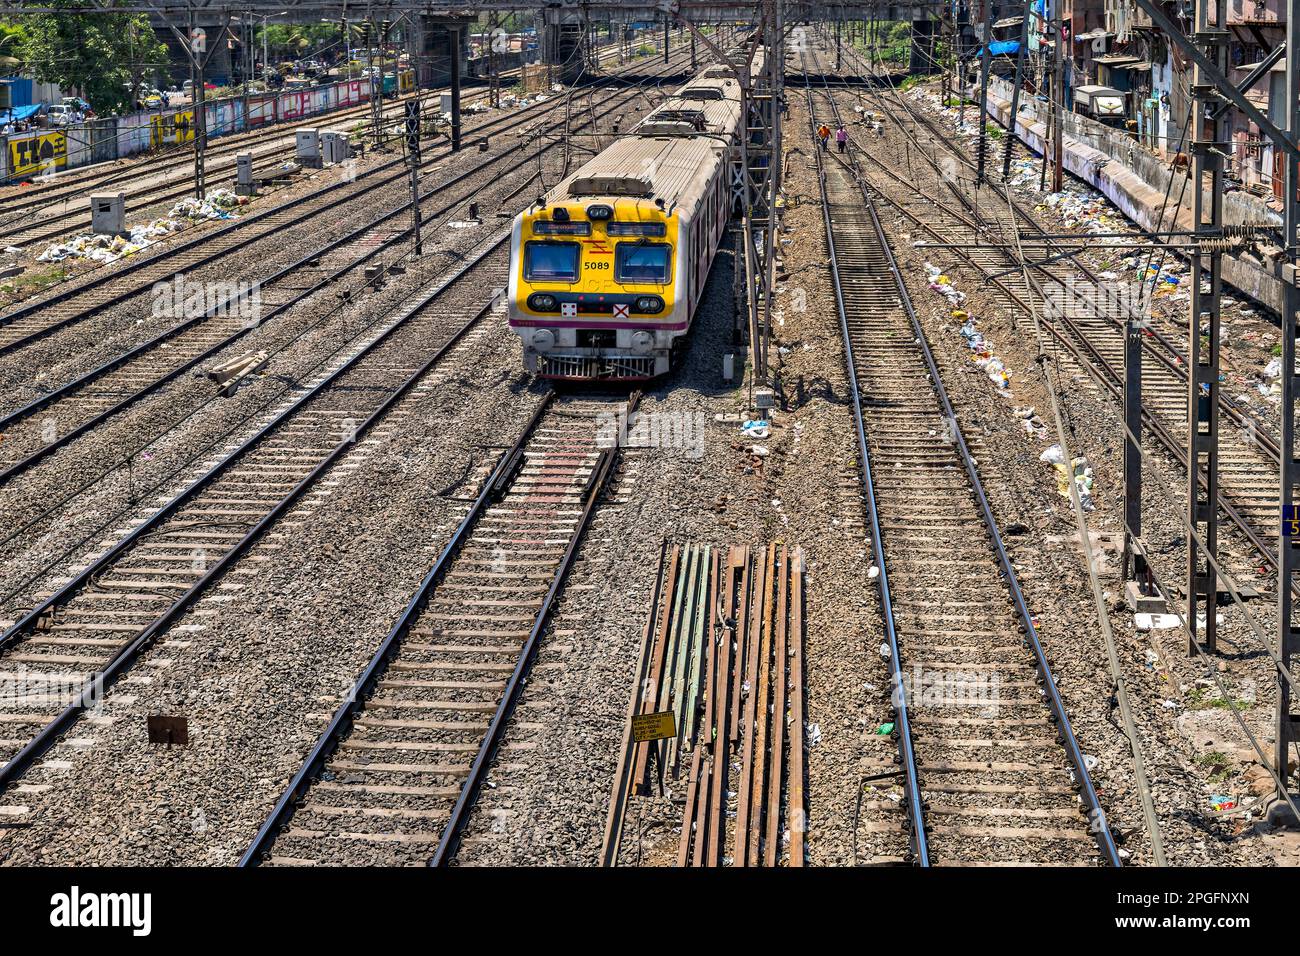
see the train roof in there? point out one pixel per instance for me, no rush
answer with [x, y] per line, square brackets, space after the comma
[686, 115]
[670, 168]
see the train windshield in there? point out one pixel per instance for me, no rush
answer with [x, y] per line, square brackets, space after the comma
[551, 261]
[641, 262]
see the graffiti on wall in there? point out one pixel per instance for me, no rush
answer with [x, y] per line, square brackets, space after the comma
[45, 151]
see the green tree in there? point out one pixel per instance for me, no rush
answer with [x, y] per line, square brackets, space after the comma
[291, 41]
[102, 57]
[12, 38]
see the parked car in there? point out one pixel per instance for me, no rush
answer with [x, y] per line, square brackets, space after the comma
[60, 114]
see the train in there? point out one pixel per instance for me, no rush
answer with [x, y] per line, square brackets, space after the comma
[607, 269]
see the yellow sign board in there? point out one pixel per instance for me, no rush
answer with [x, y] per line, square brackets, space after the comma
[45, 151]
[653, 726]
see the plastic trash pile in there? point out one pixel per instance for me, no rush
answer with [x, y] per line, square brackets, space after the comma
[1033, 424]
[1079, 468]
[1087, 210]
[981, 352]
[982, 355]
[101, 248]
[510, 101]
[941, 284]
[218, 204]
[1025, 173]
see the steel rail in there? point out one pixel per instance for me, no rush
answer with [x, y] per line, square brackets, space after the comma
[131, 651]
[36, 405]
[629, 83]
[180, 156]
[340, 724]
[1065, 731]
[913, 803]
[497, 125]
[449, 842]
[1101, 370]
[170, 162]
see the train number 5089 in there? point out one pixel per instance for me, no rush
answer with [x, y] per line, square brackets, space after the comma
[597, 264]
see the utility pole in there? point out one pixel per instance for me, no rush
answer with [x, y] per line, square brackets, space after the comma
[1058, 102]
[376, 83]
[494, 81]
[1135, 566]
[194, 42]
[1203, 335]
[1015, 91]
[1209, 82]
[666, 23]
[411, 109]
[1288, 644]
[985, 58]
[453, 38]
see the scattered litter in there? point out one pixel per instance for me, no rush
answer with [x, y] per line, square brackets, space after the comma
[1081, 471]
[1220, 802]
[756, 428]
[1089, 762]
[941, 284]
[814, 734]
[885, 729]
[102, 248]
[884, 651]
[218, 204]
[1033, 424]
[873, 572]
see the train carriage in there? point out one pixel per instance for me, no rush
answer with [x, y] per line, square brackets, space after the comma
[607, 270]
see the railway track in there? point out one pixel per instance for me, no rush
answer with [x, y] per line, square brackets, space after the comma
[395, 774]
[991, 771]
[1091, 331]
[153, 177]
[165, 176]
[76, 643]
[65, 413]
[66, 307]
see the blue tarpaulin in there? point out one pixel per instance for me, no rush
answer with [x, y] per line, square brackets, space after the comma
[19, 113]
[1000, 47]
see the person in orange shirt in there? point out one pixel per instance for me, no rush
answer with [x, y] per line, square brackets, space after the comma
[824, 134]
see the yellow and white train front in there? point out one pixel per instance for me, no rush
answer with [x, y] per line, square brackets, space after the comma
[594, 288]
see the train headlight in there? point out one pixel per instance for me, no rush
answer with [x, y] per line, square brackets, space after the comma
[543, 340]
[649, 304]
[601, 211]
[642, 342]
[542, 302]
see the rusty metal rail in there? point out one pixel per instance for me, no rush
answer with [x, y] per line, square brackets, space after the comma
[722, 653]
